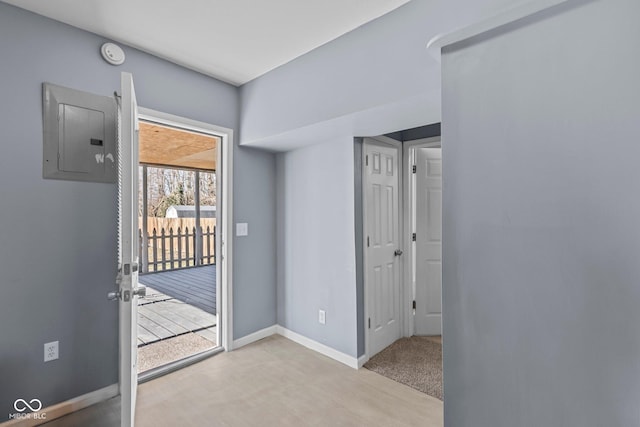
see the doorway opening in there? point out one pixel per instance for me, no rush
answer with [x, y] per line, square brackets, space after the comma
[402, 256]
[178, 225]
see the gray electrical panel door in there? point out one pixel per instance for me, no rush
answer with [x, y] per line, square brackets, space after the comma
[79, 135]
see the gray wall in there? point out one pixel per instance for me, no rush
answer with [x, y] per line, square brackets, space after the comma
[374, 80]
[541, 213]
[316, 237]
[254, 263]
[57, 252]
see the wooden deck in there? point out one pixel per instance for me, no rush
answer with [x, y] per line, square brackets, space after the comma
[195, 286]
[161, 317]
[178, 302]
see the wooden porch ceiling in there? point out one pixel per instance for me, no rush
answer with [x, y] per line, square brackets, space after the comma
[166, 146]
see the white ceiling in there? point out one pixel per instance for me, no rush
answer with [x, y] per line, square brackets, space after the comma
[232, 40]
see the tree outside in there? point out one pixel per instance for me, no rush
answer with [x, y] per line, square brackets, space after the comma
[169, 187]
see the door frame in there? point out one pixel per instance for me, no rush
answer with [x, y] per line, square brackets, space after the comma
[408, 197]
[384, 141]
[224, 244]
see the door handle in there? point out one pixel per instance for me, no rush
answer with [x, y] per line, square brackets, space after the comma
[398, 252]
[140, 291]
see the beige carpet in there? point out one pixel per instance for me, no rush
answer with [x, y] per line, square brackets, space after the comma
[415, 361]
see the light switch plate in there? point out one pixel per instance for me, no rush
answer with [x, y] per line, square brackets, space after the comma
[242, 229]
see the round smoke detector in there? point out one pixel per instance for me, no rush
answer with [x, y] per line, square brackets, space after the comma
[112, 53]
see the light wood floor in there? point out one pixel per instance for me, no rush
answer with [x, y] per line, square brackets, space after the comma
[276, 382]
[273, 382]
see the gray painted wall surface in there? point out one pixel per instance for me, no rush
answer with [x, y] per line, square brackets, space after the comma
[374, 80]
[316, 259]
[377, 79]
[541, 213]
[254, 272]
[57, 251]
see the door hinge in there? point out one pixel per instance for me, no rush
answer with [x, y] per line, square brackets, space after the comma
[367, 241]
[415, 169]
[369, 322]
[413, 237]
[414, 304]
[366, 160]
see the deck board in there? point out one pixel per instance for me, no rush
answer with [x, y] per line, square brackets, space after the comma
[145, 335]
[181, 282]
[186, 292]
[195, 286]
[159, 332]
[181, 314]
[168, 324]
[201, 318]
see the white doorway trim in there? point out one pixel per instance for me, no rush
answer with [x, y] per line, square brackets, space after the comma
[224, 245]
[408, 197]
[385, 141]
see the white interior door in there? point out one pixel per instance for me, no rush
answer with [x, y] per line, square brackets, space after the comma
[428, 184]
[382, 252]
[128, 248]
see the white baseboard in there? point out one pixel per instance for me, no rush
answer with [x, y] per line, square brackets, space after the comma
[362, 360]
[334, 354]
[258, 335]
[350, 361]
[64, 408]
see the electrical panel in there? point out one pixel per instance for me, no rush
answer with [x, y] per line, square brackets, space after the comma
[79, 135]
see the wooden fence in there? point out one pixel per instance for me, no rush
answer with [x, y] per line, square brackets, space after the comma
[169, 248]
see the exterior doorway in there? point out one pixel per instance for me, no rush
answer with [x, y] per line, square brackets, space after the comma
[178, 193]
[129, 263]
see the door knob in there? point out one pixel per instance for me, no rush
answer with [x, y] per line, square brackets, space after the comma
[141, 291]
[398, 252]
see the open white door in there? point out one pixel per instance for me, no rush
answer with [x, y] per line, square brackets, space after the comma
[428, 318]
[128, 248]
[382, 247]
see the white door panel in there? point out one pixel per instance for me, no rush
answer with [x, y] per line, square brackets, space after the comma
[428, 318]
[382, 231]
[128, 248]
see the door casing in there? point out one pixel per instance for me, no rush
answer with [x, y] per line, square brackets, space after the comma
[406, 227]
[224, 245]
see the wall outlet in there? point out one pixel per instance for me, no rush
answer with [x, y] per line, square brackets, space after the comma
[322, 317]
[51, 351]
